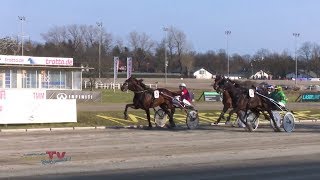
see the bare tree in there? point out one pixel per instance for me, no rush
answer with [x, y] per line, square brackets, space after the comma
[315, 59]
[141, 45]
[306, 51]
[178, 46]
[188, 60]
[9, 46]
[56, 35]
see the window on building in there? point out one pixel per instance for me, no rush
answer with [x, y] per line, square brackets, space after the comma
[29, 79]
[45, 79]
[69, 80]
[7, 79]
[2, 78]
[76, 80]
[10, 78]
[54, 80]
[202, 72]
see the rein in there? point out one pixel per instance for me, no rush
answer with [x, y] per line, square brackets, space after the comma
[141, 91]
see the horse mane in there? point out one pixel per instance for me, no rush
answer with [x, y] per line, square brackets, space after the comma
[246, 84]
[143, 85]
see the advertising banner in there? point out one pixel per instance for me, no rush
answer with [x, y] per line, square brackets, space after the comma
[48, 61]
[129, 67]
[31, 106]
[115, 67]
[80, 96]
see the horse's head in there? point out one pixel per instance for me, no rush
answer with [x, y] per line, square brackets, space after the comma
[219, 81]
[132, 84]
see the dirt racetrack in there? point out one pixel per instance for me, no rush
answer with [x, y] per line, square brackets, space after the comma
[113, 150]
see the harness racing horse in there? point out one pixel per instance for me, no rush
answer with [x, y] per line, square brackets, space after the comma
[226, 100]
[144, 99]
[242, 102]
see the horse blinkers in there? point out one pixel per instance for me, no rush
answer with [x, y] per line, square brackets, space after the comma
[124, 86]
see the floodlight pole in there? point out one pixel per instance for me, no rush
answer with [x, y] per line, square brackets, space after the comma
[296, 35]
[228, 32]
[22, 19]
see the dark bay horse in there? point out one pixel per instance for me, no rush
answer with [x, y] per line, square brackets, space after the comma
[242, 102]
[144, 99]
[226, 100]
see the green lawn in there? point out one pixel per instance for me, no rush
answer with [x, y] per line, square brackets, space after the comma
[109, 96]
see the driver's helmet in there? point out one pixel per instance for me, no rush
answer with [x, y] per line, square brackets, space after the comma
[279, 88]
[183, 85]
[270, 87]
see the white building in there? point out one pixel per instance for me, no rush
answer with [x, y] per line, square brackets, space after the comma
[260, 75]
[202, 74]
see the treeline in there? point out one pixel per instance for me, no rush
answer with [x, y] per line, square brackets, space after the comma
[82, 43]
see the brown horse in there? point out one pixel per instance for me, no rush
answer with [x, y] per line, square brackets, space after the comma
[242, 102]
[144, 99]
[227, 104]
[226, 100]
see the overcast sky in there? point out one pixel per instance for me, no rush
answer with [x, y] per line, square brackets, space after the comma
[254, 24]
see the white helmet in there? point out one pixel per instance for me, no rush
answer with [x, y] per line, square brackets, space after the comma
[182, 85]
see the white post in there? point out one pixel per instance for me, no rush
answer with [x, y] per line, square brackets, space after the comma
[100, 39]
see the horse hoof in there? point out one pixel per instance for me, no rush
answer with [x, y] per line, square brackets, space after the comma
[148, 128]
[227, 123]
[277, 130]
[170, 126]
[249, 128]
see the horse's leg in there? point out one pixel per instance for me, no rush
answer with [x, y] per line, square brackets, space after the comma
[230, 114]
[276, 129]
[224, 110]
[170, 114]
[172, 124]
[248, 125]
[126, 110]
[148, 117]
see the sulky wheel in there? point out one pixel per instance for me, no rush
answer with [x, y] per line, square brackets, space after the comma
[288, 122]
[277, 118]
[192, 119]
[251, 118]
[160, 118]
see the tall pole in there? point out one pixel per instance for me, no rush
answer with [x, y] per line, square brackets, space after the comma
[100, 39]
[165, 29]
[227, 34]
[296, 35]
[22, 18]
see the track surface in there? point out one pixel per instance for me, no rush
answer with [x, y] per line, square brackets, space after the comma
[209, 152]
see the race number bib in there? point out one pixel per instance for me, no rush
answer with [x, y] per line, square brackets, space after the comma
[156, 94]
[251, 93]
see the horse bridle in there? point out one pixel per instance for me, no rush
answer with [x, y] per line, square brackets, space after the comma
[217, 85]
